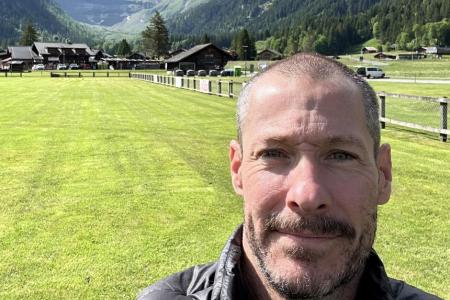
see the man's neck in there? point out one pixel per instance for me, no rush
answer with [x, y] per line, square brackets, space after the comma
[257, 286]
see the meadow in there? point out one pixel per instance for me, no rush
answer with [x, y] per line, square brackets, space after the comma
[108, 184]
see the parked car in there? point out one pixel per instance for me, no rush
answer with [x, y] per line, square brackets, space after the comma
[213, 73]
[227, 72]
[178, 72]
[73, 67]
[370, 72]
[190, 73]
[61, 67]
[38, 67]
[201, 73]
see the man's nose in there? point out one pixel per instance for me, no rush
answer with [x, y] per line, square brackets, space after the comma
[308, 190]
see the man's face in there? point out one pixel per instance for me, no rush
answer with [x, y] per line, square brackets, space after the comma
[310, 182]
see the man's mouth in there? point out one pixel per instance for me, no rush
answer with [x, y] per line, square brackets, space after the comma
[308, 234]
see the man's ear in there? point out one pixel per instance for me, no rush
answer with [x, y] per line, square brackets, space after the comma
[235, 166]
[384, 165]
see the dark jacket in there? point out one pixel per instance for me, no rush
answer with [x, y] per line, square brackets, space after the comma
[219, 280]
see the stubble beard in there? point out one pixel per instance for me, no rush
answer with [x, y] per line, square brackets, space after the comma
[309, 285]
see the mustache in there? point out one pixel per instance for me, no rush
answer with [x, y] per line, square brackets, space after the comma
[317, 225]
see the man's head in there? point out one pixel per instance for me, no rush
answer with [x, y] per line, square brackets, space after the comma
[311, 171]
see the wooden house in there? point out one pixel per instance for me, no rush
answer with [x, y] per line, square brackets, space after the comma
[201, 57]
[269, 54]
[19, 59]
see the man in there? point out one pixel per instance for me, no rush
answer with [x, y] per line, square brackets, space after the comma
[309, 165]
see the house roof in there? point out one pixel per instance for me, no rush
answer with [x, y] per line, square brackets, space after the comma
[370, 49]
[437, 50]
[137, 54]
[271, 51]
[381, 54]
[42, 48]
[176, 51]
[23, 53]
[183, 55]
[94, 52]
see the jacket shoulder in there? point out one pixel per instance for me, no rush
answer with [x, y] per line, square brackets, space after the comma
[193, 283]
[404, 291]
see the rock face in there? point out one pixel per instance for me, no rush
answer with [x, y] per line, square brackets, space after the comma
[104, 12]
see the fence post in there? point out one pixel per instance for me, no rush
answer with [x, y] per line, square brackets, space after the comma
[107, 73]
[383, 110]
[444, 117]
[209, 86]
[188, 83]
[195, 85]
[230, 89]
[219, 87]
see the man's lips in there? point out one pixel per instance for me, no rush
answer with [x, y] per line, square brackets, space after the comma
[307, 235]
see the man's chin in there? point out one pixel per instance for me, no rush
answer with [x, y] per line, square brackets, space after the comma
[294, 263]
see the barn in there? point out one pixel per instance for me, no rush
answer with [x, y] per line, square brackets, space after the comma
[201, 57]
[269, 54]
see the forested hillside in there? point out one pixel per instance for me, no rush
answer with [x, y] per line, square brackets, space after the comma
[288, 26]
[320, 25]
[51, 22]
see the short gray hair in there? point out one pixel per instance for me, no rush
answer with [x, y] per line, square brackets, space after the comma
[316, 67]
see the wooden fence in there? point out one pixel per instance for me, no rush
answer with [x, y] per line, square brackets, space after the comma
[89, 74]
[222, 88]
[433, 111]
[429, 105]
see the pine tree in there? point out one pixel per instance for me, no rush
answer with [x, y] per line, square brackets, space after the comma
[29, 35]
[156, 36]
[205, 39]
[244, 45]
[123, 48]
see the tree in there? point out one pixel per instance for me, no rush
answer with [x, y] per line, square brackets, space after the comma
[29, 35]
[123, 48]
[156, 36]
[244, 45]
[321, 44]
[205, 39]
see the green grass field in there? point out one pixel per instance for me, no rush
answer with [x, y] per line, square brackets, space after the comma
[109, 184]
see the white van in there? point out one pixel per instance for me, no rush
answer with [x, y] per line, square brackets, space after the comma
[370, 72]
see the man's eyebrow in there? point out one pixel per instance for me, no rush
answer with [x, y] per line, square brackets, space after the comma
[329, 140]
[346, 140]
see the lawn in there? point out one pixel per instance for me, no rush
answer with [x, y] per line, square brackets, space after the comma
[421, 69]
[108, 184]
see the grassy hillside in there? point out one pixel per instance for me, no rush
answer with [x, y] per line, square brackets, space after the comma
[106, 185]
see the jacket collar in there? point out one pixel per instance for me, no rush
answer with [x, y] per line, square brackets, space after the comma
[374, 283]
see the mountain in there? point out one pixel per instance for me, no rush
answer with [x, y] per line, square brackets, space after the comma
[288, 26]
[50, 20]
[104, 12]
[128, 16]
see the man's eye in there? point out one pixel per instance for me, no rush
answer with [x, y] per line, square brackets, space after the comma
[273, 153]
[341, 156]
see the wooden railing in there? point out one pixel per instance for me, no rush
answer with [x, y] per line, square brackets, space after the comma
[222, 88]
[427, 103]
